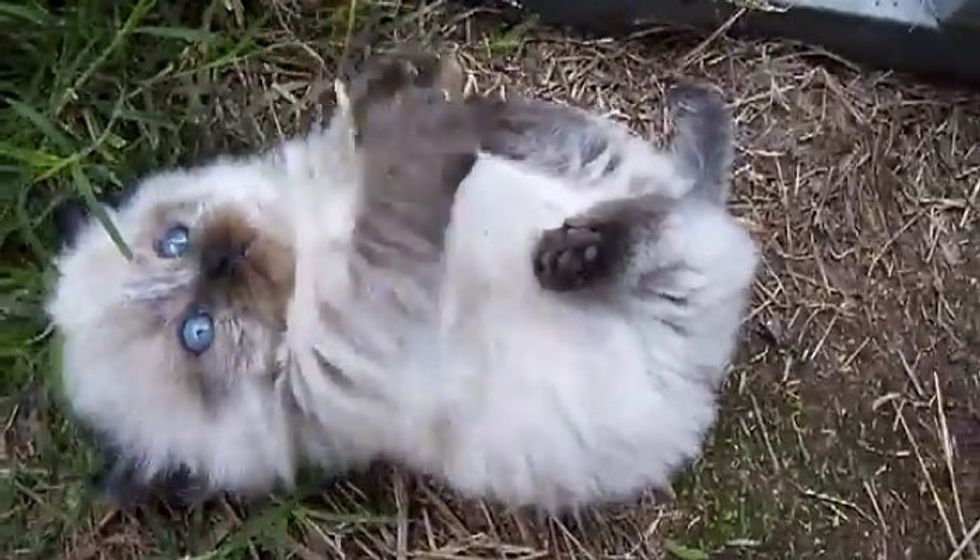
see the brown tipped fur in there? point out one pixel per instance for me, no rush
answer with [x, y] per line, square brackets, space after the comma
[253, 271]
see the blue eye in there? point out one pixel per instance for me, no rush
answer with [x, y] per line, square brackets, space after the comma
[174, 243]
[197, 331]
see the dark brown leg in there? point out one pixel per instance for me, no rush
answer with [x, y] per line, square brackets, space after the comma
[416, 145]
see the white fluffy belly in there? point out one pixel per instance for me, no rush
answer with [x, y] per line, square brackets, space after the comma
[552, 398]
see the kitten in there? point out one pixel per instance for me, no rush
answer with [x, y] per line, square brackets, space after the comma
[521, 298]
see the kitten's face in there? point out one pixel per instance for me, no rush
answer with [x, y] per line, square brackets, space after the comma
[174, 355]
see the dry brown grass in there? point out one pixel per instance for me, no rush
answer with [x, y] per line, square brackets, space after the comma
[851, 424]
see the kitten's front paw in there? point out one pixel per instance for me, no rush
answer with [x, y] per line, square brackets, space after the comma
[572, 257]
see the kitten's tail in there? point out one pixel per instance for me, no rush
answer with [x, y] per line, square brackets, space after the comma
[704, 138]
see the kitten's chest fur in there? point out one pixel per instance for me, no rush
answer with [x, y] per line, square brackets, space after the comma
[446, 353]
[410, 363]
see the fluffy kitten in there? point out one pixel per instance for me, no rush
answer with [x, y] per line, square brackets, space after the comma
[521, 298]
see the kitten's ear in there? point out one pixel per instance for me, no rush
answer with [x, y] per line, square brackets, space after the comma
[73, 214]
[119, 482]
[116, 199]
[703, 138]
[182, 486]
[69, 219]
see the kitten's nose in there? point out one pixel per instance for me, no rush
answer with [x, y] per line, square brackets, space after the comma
[220, 256]
[224, 243]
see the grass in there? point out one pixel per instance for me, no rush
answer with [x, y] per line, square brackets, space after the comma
[847, 427]
[94, 95]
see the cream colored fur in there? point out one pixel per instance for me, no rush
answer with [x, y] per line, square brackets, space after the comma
[503, 389]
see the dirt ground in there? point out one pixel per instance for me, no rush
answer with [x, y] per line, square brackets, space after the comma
[850, 426]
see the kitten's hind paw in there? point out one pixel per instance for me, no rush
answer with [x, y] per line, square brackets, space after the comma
[572, 257]
[385, 78]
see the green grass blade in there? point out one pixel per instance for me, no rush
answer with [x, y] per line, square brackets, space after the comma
[135, 16]
[34, 158]
[682, 552]
[182, 33]
[50, 130]
[25, 226]
[32, 14]
[84, 186]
